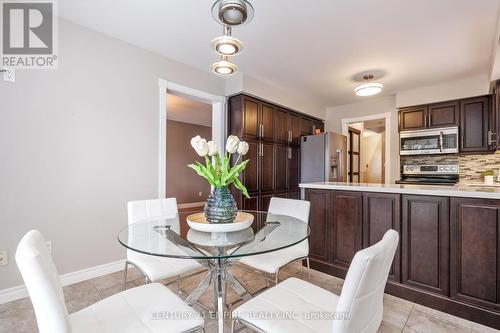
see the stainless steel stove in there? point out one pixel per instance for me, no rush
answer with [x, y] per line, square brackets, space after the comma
[434, 174]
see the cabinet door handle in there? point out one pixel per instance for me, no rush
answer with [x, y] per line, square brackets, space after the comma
[262, 150]
[289, 153]
[262, 126]
[462, 141]
[430, 120]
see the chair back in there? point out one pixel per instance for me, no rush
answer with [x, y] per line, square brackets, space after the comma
[144, 210]
[362, 294]
[298, 209]
[290, 207]
[43, 284]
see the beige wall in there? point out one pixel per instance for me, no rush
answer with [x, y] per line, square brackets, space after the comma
[467, 87]
[78, 142]
[182, 182]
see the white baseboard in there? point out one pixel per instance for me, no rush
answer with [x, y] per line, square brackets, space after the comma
[18, 292]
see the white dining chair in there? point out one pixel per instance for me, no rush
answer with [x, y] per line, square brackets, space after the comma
[143, 309]
[298, 306]
[152, 267]
[272, 262]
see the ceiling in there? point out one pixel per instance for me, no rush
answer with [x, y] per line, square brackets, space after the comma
[317, 48]
[187, 110]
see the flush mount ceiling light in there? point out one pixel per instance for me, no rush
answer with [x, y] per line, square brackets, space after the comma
[369, 88]
[224, 67]
[227, 45]
[232, 12]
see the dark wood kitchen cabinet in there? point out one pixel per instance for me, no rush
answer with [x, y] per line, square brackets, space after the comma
[346, 236]
[425, 243]
[413, 118]
[475, 251]
[266, 167]
[443, 114]
[273, 134]
[449, 251]
[320, 222]
[250, 176]
[293, 168]
[495, 113]
[267, 122]
[429, 116]
[474, 124]
[306, 126]
[281, 127]
[294, 127]
[477, 119]
[280, 170]
[381, 212]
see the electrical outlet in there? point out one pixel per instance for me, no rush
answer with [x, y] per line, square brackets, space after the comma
[49, 246]
[200, 194]
[4, 258]
[9, 74]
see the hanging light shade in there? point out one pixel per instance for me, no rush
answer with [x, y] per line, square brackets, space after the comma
[232, 12]
[369, 88]
[224, 68]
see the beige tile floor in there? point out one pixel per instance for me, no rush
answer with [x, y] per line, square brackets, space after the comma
[399, 315]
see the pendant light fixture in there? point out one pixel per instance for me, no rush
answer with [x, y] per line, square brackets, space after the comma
[232, 12]
[369, 88]
[229, 13]
[223, 67]
[227, 45]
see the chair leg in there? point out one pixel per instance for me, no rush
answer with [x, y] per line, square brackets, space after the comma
[178, 284]
[308, 269]
[233, 324]
[125, 276]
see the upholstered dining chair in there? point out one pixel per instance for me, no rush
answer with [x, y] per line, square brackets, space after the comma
[298, 306]
[134, 310]
[152, 267]
[272, 262]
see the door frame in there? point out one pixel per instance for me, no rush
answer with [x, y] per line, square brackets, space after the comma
[350, 131]
[219, 116]
[388, 128]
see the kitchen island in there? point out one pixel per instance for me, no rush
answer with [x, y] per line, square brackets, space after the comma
[449, 251]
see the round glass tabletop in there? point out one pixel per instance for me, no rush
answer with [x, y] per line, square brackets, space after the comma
[162, 237]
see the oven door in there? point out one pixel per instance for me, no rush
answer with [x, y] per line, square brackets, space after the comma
[435, 141]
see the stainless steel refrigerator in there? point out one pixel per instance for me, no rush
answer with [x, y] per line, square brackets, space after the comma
[323, 158]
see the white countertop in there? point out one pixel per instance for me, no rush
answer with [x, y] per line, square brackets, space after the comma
[445, 191]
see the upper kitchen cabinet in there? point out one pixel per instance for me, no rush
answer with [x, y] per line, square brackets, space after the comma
[413, 118]
[306, 126]
[495, 113]
[429, 116]
[443, 114]
[474, 124]
[294, 128]
[251, 119]
[267, 122]
[281, 128]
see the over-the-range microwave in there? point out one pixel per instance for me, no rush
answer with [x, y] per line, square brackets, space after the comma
[429, 141]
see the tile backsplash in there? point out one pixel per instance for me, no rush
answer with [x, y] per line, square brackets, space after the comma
[470, 166]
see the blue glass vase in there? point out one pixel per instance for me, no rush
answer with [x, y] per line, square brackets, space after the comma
[220, 206]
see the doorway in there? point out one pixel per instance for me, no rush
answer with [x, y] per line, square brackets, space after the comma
[186, 118]
[217, 104]
[366, 151]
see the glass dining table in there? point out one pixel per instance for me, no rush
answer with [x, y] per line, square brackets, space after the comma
[215, 251]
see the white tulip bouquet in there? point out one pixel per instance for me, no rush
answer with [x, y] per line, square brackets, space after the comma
[216, 171]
